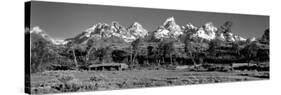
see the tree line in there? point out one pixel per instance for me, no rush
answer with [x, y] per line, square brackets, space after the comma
[46, 56]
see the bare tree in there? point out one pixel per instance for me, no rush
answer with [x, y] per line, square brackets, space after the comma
[72, 48]
[134, 50]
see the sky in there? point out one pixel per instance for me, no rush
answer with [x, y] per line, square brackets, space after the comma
[66, 20]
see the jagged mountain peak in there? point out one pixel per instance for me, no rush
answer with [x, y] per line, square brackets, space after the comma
[103, 30]
[207, 31]
[96, 31]
[94, 27]
[115, 24]
[169, 21]
[137, 30]
[118, 28]
[171, 25]
[169, 29]
[136, 24]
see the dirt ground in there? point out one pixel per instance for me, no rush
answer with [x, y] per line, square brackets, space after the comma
[72, 81]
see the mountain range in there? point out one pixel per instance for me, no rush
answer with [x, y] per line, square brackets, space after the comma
[169, 29]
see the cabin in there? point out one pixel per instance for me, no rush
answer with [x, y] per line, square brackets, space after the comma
[109, 67]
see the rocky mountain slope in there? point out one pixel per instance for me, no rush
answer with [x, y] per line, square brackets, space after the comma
[36, 33]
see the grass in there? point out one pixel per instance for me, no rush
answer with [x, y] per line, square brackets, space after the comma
[73, 81]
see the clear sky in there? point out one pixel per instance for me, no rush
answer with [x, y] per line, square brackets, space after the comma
[65, 20]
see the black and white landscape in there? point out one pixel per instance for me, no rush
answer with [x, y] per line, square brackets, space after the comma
[108, 56]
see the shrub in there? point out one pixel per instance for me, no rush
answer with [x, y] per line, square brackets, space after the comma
[97, 78]
[67, 83]
[65, 78]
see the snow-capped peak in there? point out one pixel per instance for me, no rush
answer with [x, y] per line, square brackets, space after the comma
[169, 21]
[252, 39]
[207, 31]
[171, 25]
[169, 29]
[117, 28]
[103, 30]
[115, 24]
[190, 26]
[230, 37]
[137, 30]
[39, 31]
[36, 29]
[59, 42]
[136, 24]
[92, 28]
[210, 27]
[239, 38]
[161, 32]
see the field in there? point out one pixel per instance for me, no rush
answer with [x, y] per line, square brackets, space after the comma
[72, 81]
